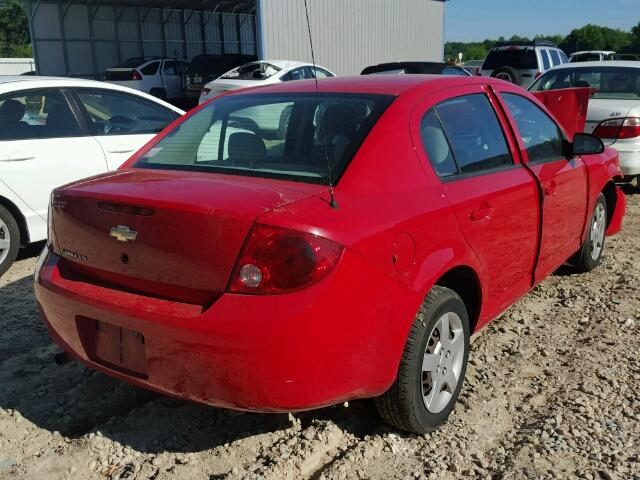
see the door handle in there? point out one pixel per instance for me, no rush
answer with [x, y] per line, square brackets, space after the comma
[483, 214]
[122, 150]
[17, 159]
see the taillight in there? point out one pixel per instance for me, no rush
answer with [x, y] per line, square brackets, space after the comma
[619, 128]
[276, 260]
[136, 75]
[50, 230]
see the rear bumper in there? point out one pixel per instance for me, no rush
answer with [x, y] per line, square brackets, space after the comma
[316, 347]
[629, 162]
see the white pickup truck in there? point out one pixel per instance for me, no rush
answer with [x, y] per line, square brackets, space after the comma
[161, 77]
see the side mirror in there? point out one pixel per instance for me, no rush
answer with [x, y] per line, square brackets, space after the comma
[586, 144]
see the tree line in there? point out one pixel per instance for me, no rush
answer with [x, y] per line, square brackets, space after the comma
[589, 37]
[14, 30]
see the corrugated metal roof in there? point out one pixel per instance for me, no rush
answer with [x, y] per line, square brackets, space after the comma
[237, 6]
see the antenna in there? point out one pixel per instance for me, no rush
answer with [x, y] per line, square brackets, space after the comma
[333, 203]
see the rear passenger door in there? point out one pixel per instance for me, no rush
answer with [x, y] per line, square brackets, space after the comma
[42, 146]
[563, 181]
[121, 122]
[494, 197]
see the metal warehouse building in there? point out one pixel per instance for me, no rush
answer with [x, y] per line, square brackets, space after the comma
[84, 37]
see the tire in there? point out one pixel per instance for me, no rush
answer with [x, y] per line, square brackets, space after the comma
[158, 93]
[508, 74]
[411, 403]
[8, 231]
[591, 251]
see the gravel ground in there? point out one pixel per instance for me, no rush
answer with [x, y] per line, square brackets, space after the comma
[551, 392]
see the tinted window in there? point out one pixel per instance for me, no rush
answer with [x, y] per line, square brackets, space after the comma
[546, 63]
[436, 145]
[518, 58]
[475, 134]
[607, 82]
[555, 58]
[541, 136]
[114, 113]
[151, 69]
[36, 114]
[277, 136]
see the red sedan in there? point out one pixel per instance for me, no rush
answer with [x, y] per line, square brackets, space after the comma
[283, 248]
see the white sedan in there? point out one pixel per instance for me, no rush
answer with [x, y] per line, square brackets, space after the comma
[263, 72]
[614, 107]
[57, 130]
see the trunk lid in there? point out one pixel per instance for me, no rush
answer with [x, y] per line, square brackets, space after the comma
[168, 234]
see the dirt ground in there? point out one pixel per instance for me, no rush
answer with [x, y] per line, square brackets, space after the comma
[552, 391]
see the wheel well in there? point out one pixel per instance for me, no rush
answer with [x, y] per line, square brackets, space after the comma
[610, 195]
[20, 220]
[464, 281]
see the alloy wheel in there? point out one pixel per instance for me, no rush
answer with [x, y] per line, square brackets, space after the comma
[5, 241]
[443, 362]
[598, 228]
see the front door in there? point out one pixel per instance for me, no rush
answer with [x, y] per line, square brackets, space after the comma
[563, 181]
[494, 197]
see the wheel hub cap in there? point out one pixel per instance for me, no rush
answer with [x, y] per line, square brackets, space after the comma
[598, 229]
[442, 364]
[5, 241]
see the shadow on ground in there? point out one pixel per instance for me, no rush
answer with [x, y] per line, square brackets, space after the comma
[75, 400]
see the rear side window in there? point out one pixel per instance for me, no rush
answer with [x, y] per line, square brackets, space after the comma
[150, 69]
[555, 58]
[294, 136]
[474, 133]
[518, 58]
[454, 71]
[115, 113]
[169, 68]
[35, 115]
[437, 146]
[546, 63]
[541, 136]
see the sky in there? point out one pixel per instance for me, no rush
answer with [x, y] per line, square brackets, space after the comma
[476, 20]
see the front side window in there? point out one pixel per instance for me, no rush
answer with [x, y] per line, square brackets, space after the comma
[115, 113]
[541, 136]
[35, 115]
[292, 136]
[474, 133]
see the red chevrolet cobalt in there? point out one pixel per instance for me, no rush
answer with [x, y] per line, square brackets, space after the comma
[284, 249]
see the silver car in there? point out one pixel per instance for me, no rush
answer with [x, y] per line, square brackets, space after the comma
[614, 108]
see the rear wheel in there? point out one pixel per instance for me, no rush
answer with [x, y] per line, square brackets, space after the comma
[593, 247]
[9, 239]
[432, 368]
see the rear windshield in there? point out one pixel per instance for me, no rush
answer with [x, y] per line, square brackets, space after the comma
[607, 82]
[520, 59]
[295, 137]
[253, 71]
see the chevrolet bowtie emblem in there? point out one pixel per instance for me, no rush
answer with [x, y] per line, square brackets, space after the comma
[123, 233]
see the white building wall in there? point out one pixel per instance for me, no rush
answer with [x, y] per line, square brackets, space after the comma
[349, 35]
[16, 66]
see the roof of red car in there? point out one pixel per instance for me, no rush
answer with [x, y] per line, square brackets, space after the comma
[380, 84]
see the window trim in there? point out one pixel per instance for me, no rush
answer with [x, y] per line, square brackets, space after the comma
[66, 95]
[463, 175]
[86, 118]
